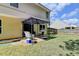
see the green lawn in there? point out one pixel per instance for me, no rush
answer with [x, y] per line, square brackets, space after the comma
[45, 48]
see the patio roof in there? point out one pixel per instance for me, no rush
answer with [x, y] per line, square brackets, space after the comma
[33, 20]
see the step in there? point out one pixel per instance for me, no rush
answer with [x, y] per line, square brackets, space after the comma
[9, 41]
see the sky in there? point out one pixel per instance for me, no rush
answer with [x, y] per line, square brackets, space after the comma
[67, 13]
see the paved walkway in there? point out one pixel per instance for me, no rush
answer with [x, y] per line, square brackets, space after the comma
[23, 42]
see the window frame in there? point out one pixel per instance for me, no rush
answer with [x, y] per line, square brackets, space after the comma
[42, 27]
[0, 26]
[47, 15]
[16, 5]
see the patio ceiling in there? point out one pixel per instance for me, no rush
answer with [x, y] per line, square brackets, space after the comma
[33, 20]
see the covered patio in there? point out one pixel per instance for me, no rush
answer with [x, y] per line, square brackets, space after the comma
[36, 26]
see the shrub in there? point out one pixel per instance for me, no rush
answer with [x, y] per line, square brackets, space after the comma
[72, 45]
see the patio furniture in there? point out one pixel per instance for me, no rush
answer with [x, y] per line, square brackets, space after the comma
[28, 37]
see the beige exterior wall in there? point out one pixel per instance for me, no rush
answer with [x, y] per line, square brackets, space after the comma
[25, 10]
[11, 27]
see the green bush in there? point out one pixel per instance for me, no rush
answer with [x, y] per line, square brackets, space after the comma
[72, 44]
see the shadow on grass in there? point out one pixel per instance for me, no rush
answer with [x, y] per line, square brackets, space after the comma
[51, 37]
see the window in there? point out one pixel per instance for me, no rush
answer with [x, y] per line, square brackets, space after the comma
[0, 26]
[67, 27]
[14, 5]
[73, 27]
[47, 14]
[42, 27]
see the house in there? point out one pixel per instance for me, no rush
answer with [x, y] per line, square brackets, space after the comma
[15, 18]
[69, 30]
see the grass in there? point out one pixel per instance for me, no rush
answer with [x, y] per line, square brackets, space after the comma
[52, 47]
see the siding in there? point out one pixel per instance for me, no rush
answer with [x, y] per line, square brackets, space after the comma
[24, 10]
[11, 28]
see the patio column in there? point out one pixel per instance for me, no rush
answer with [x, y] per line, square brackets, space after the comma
[36, 28]
[45, 29]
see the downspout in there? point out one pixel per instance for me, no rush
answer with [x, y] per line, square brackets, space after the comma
[48, 24]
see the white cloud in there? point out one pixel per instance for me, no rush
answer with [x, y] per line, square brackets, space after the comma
[57, 7]
[58, 24]
[63, 16]
[71, 21]
[60, 6]
[72, 13]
